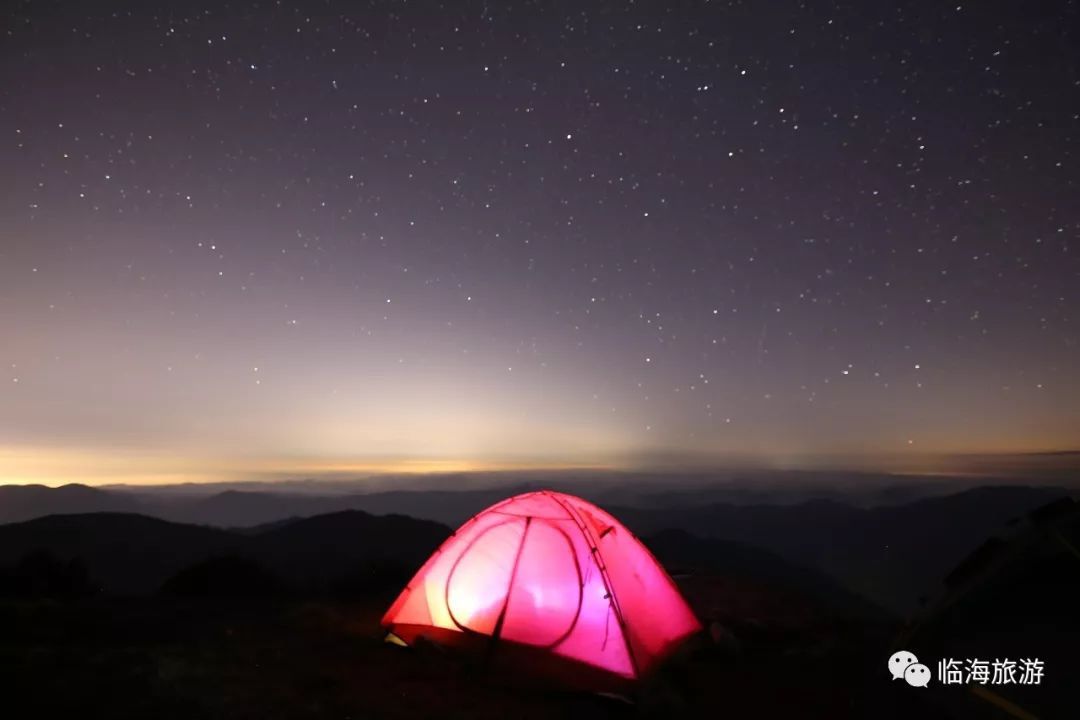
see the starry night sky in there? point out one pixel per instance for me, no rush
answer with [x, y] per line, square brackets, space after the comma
[241, 239]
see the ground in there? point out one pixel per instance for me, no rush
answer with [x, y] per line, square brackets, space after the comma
[319, 659]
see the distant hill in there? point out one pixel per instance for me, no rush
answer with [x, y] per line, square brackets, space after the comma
[343, 552]
[134, 554]
[239, 508]
[682, 552]
[893, 555]
[236, 508]
[335, 548]
[1015, 597]
[125, 553]
[25, 502]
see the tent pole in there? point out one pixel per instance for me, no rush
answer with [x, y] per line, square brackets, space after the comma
[497, 632]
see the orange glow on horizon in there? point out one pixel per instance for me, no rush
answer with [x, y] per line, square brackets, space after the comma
[93, 466]
[53, 467]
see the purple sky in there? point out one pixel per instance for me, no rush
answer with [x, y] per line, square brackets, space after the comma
[307, 238]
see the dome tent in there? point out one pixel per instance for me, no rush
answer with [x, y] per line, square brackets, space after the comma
[551, 583]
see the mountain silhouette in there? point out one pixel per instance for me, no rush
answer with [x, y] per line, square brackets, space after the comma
[134, 554]
[346, 552]
[892, 554]
[337, 549]
[25, 502]
[681, 552]
[124, 553]
[1015, 597]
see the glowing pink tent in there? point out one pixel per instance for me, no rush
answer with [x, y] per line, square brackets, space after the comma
[552, 581]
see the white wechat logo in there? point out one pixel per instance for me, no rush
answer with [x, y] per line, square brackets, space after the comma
[899, 662]
[917, 675]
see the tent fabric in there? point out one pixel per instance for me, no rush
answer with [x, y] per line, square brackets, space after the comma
[550, 572]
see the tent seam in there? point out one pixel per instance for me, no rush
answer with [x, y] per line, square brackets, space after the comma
[594, 547]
